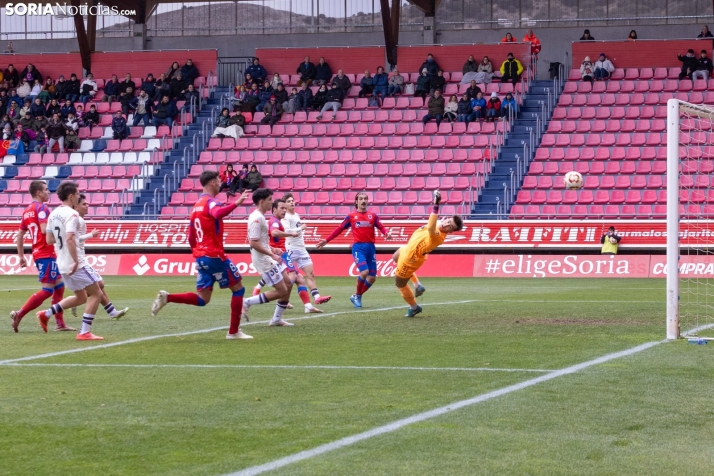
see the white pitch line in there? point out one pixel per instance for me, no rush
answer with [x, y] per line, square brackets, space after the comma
[290, 367]
[396, 425]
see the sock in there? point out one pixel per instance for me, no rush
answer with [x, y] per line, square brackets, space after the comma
[304, 295]
[259, 299]
[260, 284]
[280, 307]
[57, 296]
[110, 310]
[315, 293]
[360, 286]
[186, 298]
[408, 296]
[35, 301]
[236, 309]
[54, 309]
[415, 280]
[366, 287]
[86, 323]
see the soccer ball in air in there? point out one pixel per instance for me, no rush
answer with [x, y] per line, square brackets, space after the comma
[573, 180]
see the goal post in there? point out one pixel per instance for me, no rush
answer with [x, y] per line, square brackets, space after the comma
[690, 231]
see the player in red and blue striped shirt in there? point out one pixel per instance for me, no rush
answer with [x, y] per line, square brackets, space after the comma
[364, 252]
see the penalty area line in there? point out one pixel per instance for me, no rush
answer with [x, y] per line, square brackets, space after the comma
[419, 417]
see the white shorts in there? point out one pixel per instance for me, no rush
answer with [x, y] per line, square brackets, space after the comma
[274, 275]
[82, 278]
[301, 258]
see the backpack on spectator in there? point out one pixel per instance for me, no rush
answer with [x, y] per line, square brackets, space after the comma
[409, 89]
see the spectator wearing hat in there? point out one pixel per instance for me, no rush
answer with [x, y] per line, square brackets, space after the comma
[587, 70]
[254, 179]
[704, 67]
[511, 70]
[423, 84]
[586, 36]
[689, 64]
[493, 108]
[603, 68]
[272, 111]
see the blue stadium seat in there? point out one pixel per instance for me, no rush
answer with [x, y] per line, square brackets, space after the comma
[3, 185]
[10, 172]
[22, 159]
[64, 172]
[52, 185]
[99, 145]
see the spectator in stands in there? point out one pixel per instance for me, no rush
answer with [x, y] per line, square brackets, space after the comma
[224, 128]
[238, 97]
[471, 66]
[23, 89]
[493, 108]
[229, 180]
[80, 116]
[484, 74]
[689, 64]
[320, 98]
[380, 82]
[19, 135]
[632, 36]
[189, 72]
[190, 96]
[342, 81]
[281, 95]
[164, 113]
[252, 99]
[508, 38]
[587, 70]
[7, 131]
[142, 107]
[88, 89]
[478, 108]
[126, 84]
[41, 141]
[238, 121]
[275, 81]
[290, 106]
[586, 36]
[254, 179]
[705, 32]
[91, 117]
[73, 90]
[610, 242]
[304, 98]
[264, 96]
[511, 70]
[149, 85]
[323, 73]
[14, 111]
[35, 91]
[30, 74]
[509, 105]
[13, 97]
[175, 68]
[25, 107]
[53, 107]
[11, 76]
[48, 91]
[603, 68]
[273, 111]
[39, 122]
[27, 120]
[704, 67]
[6, 120]
[423, 84]
[463, 110]
[111, 90]
[243, 178]
[451, 109]
[4, 98]
[37, 108]
[431, 66]
[366, 85]
[248, 81]
[67, 109]
[307, 72]
[437, 82]
[534, 41]
[335, 96]
[396, 83]
[435, 108]
[72, 139]
[163, 87]
[120, 130]
[56, 131]
[472, 91]
[177, 87]
[256, 70]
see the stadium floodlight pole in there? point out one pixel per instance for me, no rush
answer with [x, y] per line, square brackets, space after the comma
[672, 219]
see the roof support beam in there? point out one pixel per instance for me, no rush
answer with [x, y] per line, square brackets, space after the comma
[85, 51]
[390, 25]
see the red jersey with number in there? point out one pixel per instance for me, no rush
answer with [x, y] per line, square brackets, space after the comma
[276, 241]
[363, 225]
[207, 232]
[32, 218]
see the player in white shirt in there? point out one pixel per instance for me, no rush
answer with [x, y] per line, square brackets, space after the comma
[83, 208]
[295, 246]
[63, 230]
[267, 260]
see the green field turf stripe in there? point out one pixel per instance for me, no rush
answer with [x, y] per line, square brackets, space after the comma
[396, 425]
[290, 367]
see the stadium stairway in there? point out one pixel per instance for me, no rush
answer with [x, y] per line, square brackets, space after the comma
[158, 189]
[504, 183]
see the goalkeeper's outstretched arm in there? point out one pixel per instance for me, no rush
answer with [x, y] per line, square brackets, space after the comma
[434, 217]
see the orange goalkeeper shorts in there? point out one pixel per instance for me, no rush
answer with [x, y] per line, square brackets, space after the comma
[407, 265]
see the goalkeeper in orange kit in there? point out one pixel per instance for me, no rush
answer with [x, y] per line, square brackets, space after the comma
[423, 241]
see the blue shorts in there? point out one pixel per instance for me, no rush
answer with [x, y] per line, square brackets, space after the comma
[288, 262]
[48, 270]
[365, 255]
[211, 270]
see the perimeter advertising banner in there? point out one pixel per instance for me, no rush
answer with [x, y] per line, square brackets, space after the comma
[451, 266]
[494, 234]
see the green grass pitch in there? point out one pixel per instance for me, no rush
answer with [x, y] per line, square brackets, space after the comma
[198, 404]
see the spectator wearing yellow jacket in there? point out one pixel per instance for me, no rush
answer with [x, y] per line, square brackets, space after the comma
[511, 70]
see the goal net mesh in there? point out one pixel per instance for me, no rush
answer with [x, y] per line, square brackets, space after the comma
[696, 211]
